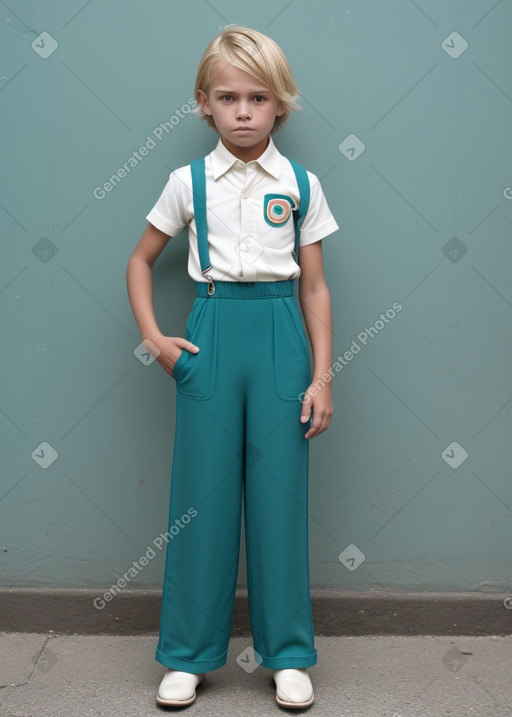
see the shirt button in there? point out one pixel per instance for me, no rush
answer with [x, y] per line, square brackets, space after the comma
[244, 196]
[240, 164]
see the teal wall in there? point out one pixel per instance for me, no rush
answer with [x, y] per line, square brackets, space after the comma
[424, 214]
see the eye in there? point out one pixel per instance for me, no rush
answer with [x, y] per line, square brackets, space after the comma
[227, 98]
[259, 99]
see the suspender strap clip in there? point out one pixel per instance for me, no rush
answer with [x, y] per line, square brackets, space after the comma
[211, 283]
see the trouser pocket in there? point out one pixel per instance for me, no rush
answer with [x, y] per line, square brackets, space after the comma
[291, 351]
[195, 374]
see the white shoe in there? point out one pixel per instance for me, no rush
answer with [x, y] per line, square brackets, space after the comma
[293, 688]
[178, 689]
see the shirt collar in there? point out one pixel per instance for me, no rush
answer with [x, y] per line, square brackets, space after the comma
[223, 159]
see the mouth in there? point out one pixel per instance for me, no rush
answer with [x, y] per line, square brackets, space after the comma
[244, 129]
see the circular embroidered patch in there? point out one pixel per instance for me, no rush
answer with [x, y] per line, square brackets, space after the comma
[277, 209]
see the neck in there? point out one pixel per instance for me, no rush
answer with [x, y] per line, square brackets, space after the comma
[247, 154]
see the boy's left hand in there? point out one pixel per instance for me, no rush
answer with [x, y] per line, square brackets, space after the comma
[321, 406]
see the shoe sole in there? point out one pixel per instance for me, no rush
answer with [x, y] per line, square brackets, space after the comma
[175, 703]
[295, 705]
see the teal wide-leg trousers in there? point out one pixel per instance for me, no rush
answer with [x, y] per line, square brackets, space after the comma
[239, 442]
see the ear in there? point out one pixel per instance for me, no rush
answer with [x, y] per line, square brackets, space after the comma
[281, 109]
[203, 101]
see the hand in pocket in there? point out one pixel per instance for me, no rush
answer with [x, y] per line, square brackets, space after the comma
[170, 349]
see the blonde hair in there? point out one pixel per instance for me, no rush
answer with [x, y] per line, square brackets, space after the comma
[256, 54]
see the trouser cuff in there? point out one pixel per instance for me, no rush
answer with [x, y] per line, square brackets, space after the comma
[286, 663]
[196, 667]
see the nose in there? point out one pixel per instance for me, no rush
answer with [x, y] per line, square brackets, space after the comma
[243, 110]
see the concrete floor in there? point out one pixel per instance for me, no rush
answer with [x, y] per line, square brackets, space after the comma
[68, 675]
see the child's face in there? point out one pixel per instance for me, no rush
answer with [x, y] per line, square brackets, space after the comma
[243, 109]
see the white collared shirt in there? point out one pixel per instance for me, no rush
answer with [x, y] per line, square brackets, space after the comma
[248, 239]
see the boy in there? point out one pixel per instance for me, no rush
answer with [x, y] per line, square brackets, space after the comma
[241, 428]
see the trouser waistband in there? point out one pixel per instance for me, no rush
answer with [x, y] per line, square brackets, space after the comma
[246, 289]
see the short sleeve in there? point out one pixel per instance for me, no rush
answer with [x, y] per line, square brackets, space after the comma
[173, 210]
[319, 221]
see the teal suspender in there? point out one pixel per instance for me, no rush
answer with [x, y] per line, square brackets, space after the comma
[199, 196]
[197, 168]
[304, 193]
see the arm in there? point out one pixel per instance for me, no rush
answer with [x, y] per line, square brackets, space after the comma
[139, 282]
[315, 302]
